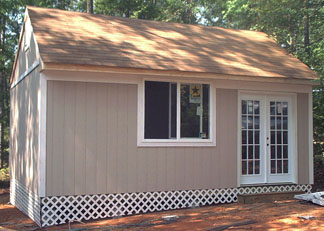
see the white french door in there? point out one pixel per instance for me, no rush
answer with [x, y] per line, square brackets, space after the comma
[267, 138]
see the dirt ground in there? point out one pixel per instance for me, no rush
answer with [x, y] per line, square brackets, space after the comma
[280, 215]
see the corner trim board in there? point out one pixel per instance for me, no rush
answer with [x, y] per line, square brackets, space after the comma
[42, 105]
[310, 135]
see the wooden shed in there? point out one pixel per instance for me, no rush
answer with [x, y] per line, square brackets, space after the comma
[113, 116]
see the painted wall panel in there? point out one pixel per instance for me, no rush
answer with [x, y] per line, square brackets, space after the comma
[106, 131]
[302, 140]
[103, 124]
[28, 52]
[24, 130]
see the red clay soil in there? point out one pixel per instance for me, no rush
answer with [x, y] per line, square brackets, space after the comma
[283, 215]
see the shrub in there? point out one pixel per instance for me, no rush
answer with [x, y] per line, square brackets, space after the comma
[4, 174]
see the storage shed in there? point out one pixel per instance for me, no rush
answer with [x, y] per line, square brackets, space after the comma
[113, 116]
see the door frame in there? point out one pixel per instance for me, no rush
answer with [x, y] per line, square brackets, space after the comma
[292, 129]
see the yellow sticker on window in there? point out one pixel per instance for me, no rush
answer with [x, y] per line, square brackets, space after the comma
[195, 93]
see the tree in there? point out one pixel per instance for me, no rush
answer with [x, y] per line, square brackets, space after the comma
[90, 6]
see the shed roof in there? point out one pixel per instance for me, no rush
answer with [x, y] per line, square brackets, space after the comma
[66, 37]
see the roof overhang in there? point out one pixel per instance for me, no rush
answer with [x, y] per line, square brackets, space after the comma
[176, 73]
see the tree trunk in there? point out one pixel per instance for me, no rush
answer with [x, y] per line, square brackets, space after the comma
[2, 90]
[90, 6]
[306, 28]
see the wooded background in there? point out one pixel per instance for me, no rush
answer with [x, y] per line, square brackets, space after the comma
[297, 25]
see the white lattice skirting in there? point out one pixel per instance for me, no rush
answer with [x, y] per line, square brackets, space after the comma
[25, 200]
[62, 209]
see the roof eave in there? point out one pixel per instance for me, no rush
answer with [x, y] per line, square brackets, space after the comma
[175, 73]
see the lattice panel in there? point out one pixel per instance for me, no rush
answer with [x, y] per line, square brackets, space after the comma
[25, 200]
[62, 209]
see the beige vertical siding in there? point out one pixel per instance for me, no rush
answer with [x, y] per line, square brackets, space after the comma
[92, 146]
[24, 129]
[26, 58]
[302, 140]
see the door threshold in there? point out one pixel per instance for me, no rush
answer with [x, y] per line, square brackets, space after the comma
[268, 184]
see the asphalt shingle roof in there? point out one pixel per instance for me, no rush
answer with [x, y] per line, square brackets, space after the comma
[66, 37]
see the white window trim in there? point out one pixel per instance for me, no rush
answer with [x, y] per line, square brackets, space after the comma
[141, 142]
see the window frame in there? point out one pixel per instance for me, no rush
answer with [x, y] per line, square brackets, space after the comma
[141, 142]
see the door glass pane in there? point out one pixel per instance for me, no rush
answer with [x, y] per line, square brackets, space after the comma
[272, 108]
[273, 152]
[250, 167]
[250, 122]
[278, 108]
[250, 118]
[285, 166]
[250, 152]
[256, 107]
[244, 137]
[250, 106]
[250, 137]
[257, 151]
[279, 166]
[285, 151]
[244, 107]
[273, 137]
[257, 122]
[257, 167]
[244, 167]
[278, 122]
[244, 122]
[272, 122]
[285, 122]
[284, 108]
[279, 137]
[244, 152]
[256, 137]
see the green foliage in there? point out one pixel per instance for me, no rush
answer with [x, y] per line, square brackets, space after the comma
[183, 11]
[4, 174]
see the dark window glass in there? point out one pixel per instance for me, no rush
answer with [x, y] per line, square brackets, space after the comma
[160, 110]
[194, 111]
